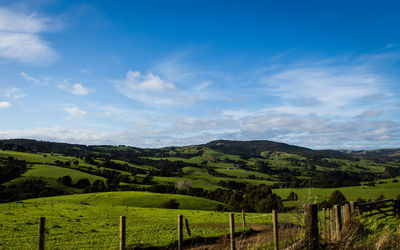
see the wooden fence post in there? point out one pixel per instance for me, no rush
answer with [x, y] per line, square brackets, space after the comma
[333, 225]
[311, 226]
[352, 209]
[243, 219]
[338, 219]
[41, 232]
[180, 233]
[323, 222]
[187, 227]
[328, 225]
[275, 228]
[122, 233]
[346, 214]
[232, 230]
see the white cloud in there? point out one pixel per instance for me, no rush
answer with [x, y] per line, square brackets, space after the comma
[149, 82]
[29, 78]
[5, 105]
[331, 86]
[152, 90]
[19, 22]
[13, 93]
[76, 89]
[20, 39]
[76, 112]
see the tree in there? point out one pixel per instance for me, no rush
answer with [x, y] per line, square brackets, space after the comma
[170, 204]
[97, 186]
[83, 183]
[337, 198]
[65, 180]
[112, 183]
[292, 196]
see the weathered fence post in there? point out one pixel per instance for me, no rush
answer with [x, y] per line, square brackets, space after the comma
[232, 230]
[243, 219]
[346, 214]
[122, 233]
[333, 226]
[180, 233]
[275, 228]
[311, 226]
[342, 213]
[352, 209]
[41, 232]
[187, 227]
[323, 222]
[338, 219]
[328, 225]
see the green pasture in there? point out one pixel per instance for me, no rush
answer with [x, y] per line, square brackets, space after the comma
[70, 225]
[131, 199]
[206, 182]
[306, 195]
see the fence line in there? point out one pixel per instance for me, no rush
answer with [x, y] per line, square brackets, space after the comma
[329, 227]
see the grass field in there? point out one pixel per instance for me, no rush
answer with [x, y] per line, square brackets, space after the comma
[70, 225]
[389, 189]
[131, 199]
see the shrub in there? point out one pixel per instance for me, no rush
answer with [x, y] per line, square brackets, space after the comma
[170, 204]
[380, 197]
[83, 183]
[292, 197]
[360, 200]
[220, 207]
[337, 198]
[65, 180]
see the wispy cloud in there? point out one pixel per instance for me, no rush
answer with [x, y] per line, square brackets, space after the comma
[20, 37]
[32, 79]
[369, 113]
[14, 93]
[5, 105]
[76, 88]
[76, 112]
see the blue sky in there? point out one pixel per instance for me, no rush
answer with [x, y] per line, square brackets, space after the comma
[319, 74]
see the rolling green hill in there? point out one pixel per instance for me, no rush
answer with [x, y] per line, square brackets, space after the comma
[220, 170]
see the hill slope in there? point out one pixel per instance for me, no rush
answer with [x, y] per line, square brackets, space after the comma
[255, 148]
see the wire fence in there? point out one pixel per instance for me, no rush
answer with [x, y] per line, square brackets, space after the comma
[72, 231]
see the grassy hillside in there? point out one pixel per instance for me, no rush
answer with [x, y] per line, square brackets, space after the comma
[193, 170]
[130, 199]
[388, 189]
[70, 225]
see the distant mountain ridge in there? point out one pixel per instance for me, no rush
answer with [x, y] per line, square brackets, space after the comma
[256, 147]
[252, 148]
[392, 153]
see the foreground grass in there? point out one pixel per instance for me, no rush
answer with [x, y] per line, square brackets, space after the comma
[70, 225]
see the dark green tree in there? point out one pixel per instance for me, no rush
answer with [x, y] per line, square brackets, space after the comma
[292, 196]
[337, 198]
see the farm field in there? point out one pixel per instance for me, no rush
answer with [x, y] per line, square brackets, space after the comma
[130, 199]
[389, 190]
[70, 225]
